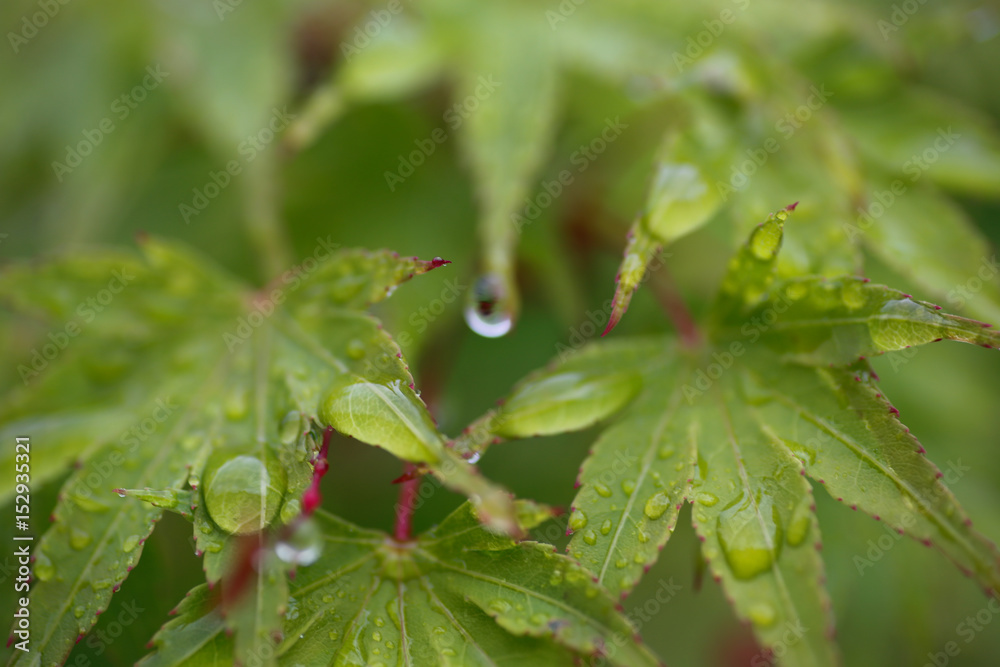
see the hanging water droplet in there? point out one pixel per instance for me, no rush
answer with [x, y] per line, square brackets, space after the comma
[656, 505]
[291, 427]
[242, 493]
[487, 312]
[590, 537]
[577, 520]
[474, 458]
[606, 527]
[303, 547]
[750, 534]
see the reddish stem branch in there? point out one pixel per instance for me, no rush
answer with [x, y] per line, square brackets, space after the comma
[405, 507]
[312, 498]
[673, 304]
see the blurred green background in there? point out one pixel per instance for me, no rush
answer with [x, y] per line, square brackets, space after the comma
[182, 84]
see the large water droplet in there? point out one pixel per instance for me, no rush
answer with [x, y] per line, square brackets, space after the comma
[242, 493]
[487, 312]
[303, 546]
[656, 505]
[590, 537]
[750, 534]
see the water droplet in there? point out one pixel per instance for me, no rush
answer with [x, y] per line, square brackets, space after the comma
[750, 534]
[450, 652]
[642, 535]
[628, 486]
[356, 349]
[236, 404]
[796, 290]
[303, 546]
[602, 490]
[130, 543]
[474, 458]
[803, 453]
[765, 241]
[242, 493]
[621, 563]
[333, 635]
[762, 614]
[706, 499]
[903, 323]
[379, 622]
[500, 606]
[656, 505]
[590, 537]
[291, 427]
[43, 566]
[638, 559]
[539, 619]
[801, 522]
[606, 527]
[487, 312]
[78, 539]
[577, 520]
[665, 452]
[855, 294]
[377, 636]
[79, 612]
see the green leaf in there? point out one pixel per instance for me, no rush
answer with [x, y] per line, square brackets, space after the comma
[458, 595]
[201, 369]
[195, 636]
